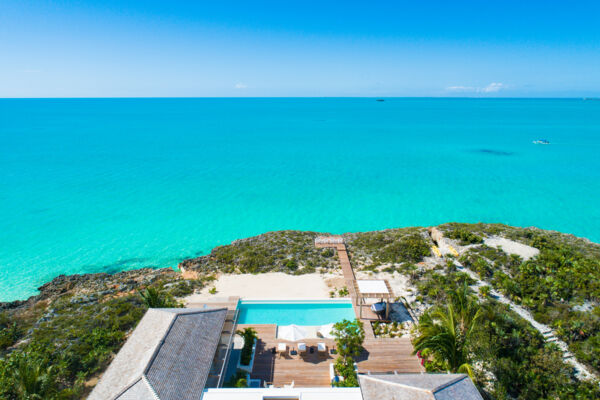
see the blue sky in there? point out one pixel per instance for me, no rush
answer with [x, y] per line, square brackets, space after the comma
[299, 48]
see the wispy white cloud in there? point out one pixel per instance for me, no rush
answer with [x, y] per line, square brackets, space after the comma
[240, 86]
[493, 87]
[461, 89]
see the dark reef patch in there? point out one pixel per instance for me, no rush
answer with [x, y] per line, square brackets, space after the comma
[495, 152]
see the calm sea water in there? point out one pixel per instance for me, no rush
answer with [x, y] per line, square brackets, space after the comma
[93, 185]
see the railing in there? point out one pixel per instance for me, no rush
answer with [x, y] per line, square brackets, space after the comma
[329, 240]
[228, 351]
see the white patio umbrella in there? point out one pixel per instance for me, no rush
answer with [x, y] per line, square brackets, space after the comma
[291, 332]
[325, 331]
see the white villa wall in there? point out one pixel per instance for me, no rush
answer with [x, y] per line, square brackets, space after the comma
[301, 393]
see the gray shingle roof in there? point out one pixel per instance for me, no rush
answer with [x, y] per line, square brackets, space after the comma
[183, 362]
[139, 390]
[418, 387]
[168, 356]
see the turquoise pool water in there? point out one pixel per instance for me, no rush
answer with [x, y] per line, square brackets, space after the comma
[294, 312]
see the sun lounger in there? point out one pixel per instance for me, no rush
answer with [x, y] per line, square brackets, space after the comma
[302, 348]
[282, 349]
[322, 348]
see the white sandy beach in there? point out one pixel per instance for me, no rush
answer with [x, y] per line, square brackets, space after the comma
[278, 285]
[270, 285]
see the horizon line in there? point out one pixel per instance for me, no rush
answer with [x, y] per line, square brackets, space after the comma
[304, 97]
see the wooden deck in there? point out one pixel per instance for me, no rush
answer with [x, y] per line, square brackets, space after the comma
[312, 369]
[229, 302]
[309, 370]
[387, 354]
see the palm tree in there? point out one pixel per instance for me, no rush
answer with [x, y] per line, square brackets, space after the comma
[446, 331]
[33, 380]
[153, 298]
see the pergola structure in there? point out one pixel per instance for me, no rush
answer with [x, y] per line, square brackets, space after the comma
[373, 289]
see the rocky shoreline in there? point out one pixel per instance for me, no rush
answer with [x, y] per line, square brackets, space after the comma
[99, 284]
[79, 321]
[281, 251]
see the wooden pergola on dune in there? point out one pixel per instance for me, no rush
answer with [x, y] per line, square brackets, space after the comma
[373, 289]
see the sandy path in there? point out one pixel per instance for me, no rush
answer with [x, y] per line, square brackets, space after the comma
[512, 247]
[548, 333]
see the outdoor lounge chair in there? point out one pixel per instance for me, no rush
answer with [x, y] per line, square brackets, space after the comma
[282, 349]
[302, 349]
[322, 348]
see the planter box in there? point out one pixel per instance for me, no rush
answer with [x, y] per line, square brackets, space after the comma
[248, 368]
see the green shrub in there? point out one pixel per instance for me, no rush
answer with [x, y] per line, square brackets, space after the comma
[344, 367]
[411, 248]
[349, 337]
[291, 264]
[249, 335]
[464, 237]
[155, 298]
[9, 332]
[327, 252]
[238, 380]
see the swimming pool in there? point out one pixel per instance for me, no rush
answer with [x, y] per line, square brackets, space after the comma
[294, 312]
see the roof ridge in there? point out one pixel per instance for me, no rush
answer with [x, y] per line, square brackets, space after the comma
[147, 382]
[398, 384]
[159, 344]
[460, 377]
[449, 383]
[168, 330]
[127, 387]
[173, 316]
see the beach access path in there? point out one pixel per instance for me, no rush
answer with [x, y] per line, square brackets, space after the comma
[397, 351]
[547, 332]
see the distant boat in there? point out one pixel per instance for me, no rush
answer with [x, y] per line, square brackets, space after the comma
[541, 141]
[380, 100]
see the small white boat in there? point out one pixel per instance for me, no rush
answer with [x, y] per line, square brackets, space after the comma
[541, 141]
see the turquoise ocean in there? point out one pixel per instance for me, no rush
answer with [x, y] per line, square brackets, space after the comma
[104, 185]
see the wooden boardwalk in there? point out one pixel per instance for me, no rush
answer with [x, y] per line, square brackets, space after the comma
[402, 360]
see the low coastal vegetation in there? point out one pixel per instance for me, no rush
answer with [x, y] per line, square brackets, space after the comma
[291, 252]
[390, 246]
[56, 344]
[507, 358]
[560, 286]
[387, 329]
